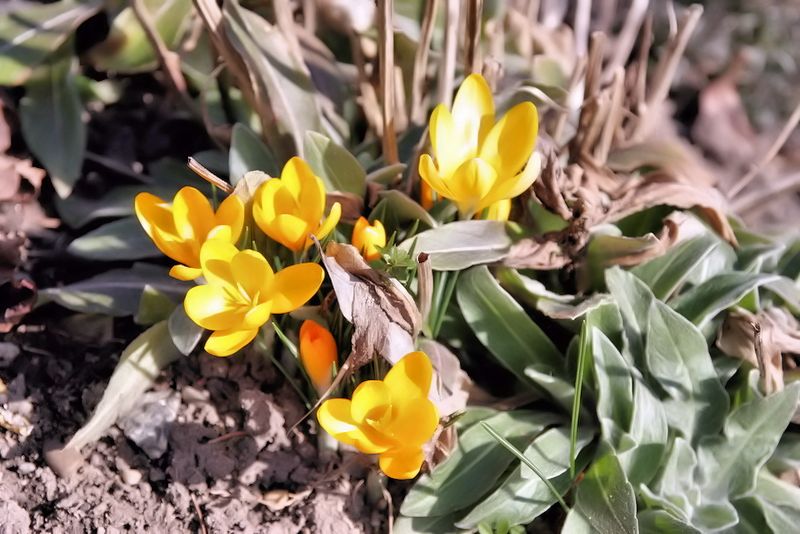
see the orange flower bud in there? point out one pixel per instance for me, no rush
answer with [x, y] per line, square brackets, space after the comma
[367, 238]
[318, 353]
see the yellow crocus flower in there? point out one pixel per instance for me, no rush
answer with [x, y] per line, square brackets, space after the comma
[499, 211]
[391, 417]
[242, 291]
[318, 353]
[477, 162]
[368, 237]
[179, 229]
[290, 208]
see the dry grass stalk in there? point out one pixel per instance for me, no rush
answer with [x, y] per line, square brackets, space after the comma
[418, 108]
[368, 97]
[386, 68]
[447, 72]
[627, 36]
[472, 37]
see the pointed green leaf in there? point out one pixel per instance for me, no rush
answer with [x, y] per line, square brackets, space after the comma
[118, 240]
[249, 153]
[462, 244]
[606, 499]
[338, 168]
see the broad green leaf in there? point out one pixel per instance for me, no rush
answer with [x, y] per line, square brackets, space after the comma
[614, 385]
[730, 463]
[661, 522]
[127, 49]
[779, 501]
[666, 274]
[138, 367]
[634, 299]
[606, 499]
[118, 240]
[386, 175]
[154, 306]
[789, 264]
[677, 356]
[185, 333]
[475, 465]
[751, 518]
[116, 292]
[576, 523]
[788, 291]
[249, 153]
[702, 303]
[787, 453]
[458, 245]
[338, 168]
[51, 117]
[649, 432]
[279, 81]
[676, 482]
[522, 496]
[504, 327]
[31, 31]
[396, 208]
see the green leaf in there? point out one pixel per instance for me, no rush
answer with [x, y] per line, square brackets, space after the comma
[127, 49]
[279, 80]
[576, 523]
[249, 153]
[614, 385]
[29, 32]
[425, 525]
[475, 465]
[504, 327]
[118, 240]
[458, 245]
[395, 208]
[116, 292]
[634, 299]
[751, 517]
[666, 274]
[522, 496]
[154, 306]
[338, 168]
[779, 501]
[51, 117]
[677, 356]
[185, 333]
[649, 434]
[702, 303]
[661, 522]
[606, 498]
[138, 367]
[729, 463]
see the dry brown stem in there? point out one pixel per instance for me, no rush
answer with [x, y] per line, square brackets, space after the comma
[386, 67]
[418, 110]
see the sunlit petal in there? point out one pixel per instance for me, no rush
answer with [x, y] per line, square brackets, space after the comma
[231, 213]
[192, 213]
[227, 342]
[372, 400]
[182, 272]
[334, 416]
[290, 231]
[330, 222]
[295, 285]
[473, 180]
[251, 271]
[257, 316]
[401, 464]
[510, 142]
[413, 420]
[211, 307]
[215, 259]
[411, 376]
[473, 112]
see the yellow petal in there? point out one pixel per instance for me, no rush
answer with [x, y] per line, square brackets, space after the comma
[215, 259]
[211, 307]
[306, 187]
[231, 213]
[330, 223]
[369, 441]
[226, 342]
[182, 272]
[431, 176]
[252, 272]
[290, 231]
[193, 215]
[222, 232]
[510, 143]
[153, 211]
[516, 185]
[401, 464]
[473, 112]
[294, 286]
[257, 315]
[175, 247]
[500, 210]
[413, 420]
[264, 203]
[471, 183]
[411, 376]
[334, 416]
[447, 148]
[372, 399]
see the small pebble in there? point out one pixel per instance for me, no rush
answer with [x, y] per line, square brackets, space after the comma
[26, 468]
[191, 394]
[131, 477]
[63, 462]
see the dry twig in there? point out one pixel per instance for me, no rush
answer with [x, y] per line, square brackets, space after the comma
[421, 62]
[386, 61]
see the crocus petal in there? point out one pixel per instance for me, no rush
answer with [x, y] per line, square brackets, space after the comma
[473, 180]
[231, 213]
[401, 464]
[290, 231]
[193, 214]
[318, 353]
[175, 247]
[516, 185]
[252, 272]
[413, 420]
[330, 223]
[227, 342]
[500, 210]
[211, 307]
[153, 211]
[510, 142]
[215, 259]
[222, 232]
[473, 112]
[431, 176]
[449, 153]
[334, 416]
[411, 376]
[372, 399]
[184, 273]
[264, 203]
[306, 188]
[295, 285]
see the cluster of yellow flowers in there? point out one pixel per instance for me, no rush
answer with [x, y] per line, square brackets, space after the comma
[478, 164]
